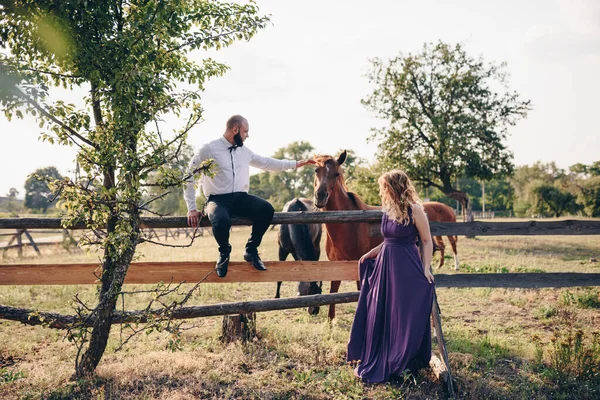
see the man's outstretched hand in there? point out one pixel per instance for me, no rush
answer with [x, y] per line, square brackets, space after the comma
[194, 217]
[302, 163]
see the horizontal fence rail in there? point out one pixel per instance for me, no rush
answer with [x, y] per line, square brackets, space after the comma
[476, 228]
[154, 272]
[519, 280]
[59, 321]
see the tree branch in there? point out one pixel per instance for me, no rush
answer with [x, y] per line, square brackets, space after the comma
[420, 99]
[199, 40]
[43, 111]
[423, 136]
[56, 74]
[429, 183]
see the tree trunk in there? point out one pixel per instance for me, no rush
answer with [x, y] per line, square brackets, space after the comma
[113, 276]
[239, 327]
[114, 269]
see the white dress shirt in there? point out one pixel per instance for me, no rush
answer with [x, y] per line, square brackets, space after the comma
[232, 169]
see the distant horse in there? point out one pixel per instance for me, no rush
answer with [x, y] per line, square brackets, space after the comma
[350, 240]
[303, 242]
[441, 212]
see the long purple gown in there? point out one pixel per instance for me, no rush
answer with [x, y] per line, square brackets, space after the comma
[391, 330]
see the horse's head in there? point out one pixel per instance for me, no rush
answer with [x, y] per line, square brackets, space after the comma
[328, 173]
[308, 288]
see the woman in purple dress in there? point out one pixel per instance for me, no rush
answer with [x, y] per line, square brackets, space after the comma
[391, 330]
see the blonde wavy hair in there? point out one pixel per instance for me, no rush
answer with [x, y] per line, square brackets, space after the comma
[397, 195]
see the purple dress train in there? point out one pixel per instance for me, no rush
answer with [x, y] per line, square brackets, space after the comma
[391, 330]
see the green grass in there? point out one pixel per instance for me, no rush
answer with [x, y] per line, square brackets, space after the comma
[499, 340]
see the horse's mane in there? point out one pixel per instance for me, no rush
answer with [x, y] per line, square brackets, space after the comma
[358, 202]
[321, 160]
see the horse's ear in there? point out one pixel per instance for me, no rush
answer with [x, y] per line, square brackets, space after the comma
[342, 157]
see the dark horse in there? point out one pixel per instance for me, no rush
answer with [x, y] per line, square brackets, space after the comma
[303, 242]
[349, 241]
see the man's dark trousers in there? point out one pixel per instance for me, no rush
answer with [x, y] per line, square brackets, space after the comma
[221, 207]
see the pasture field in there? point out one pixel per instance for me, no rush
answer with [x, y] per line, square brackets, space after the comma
[503, 343]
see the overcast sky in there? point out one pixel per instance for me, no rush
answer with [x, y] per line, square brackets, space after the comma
[302, 77]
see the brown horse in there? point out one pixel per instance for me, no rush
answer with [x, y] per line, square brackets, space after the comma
[441, 212]
[344, 241]
[349, 241]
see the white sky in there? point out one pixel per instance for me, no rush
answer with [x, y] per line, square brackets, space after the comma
[302, 78]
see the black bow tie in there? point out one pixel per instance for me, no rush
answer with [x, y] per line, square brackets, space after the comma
[235, 146]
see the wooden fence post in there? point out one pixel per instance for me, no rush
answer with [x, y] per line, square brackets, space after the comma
[443, 370]
[19, 242]
[439, 334]
[12, 239]
[32, 242]
[239, 327]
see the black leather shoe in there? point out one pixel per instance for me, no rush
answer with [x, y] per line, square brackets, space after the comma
[222, 265]
[253, 258]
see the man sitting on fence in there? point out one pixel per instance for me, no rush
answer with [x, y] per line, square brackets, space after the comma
[227, 193]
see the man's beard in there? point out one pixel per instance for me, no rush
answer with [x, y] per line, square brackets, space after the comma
[237, 138]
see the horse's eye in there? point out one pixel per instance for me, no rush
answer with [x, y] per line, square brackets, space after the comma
[337, 174]
[316, 170]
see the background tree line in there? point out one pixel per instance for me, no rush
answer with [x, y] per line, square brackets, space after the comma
[538, 190]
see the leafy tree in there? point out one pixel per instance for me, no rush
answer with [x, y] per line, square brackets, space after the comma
[280, 187]
[298, 182]
[172, 201]
[13, 203]
[526, 178]
[585, 183]
[589, 196]
[445, 118]
[552, 200]
[499, 195]
[132, 60]
[262, 186]
[37, 192]
[363, 181]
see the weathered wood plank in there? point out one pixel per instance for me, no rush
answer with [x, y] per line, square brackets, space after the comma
[485, 228]
[441, 341]
[298, 217]
[153, 272]
[518, 280]
[32, 242]
[476, 228]
[438, 368]
[60, 321]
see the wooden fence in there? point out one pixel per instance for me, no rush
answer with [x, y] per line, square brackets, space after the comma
[16, 240]
[22, 238]
[153, 272]
[476, 228]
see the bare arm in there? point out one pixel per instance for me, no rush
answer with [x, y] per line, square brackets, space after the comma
[374, 252]
[425, 234]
